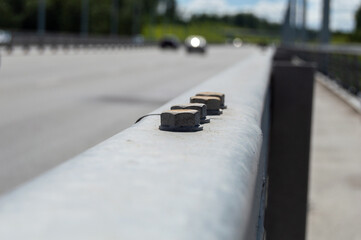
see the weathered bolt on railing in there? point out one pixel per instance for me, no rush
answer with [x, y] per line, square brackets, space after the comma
[341, 65]
[216, 173]
[188, 117]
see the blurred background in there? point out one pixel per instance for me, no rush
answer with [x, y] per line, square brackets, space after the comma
[217, 20]
[75, 72]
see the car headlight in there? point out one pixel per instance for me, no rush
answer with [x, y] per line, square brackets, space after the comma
[195, 42]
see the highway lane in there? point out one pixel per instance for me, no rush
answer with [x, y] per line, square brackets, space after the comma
[54, 106]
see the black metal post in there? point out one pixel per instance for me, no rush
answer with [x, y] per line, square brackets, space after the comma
[304, 21]
[115, 17]
[325, 31]
[41, 16]
[288, 160]
[84, 18]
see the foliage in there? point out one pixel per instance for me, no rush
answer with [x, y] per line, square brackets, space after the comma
[213, 32]
[133, 15]
[358, 18]
[356, 35]
[215, 28]
[65, 15]
[245, 20]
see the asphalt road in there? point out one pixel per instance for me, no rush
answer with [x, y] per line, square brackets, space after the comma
[54, 106]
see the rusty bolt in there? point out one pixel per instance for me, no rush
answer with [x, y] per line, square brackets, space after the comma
[181, 120]
[214, 94]
[200, 107]
[213, 104]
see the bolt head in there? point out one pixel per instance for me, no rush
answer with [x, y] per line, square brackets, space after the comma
[201, 107]
[214, 94]
[180, 120]
[213, 103]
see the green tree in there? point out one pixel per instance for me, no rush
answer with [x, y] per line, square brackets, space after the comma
[7, 18]
[358, 19]
[356, 35]
[65, 15]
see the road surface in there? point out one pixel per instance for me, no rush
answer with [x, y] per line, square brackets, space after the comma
[54, 106]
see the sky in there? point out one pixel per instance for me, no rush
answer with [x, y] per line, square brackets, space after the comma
[341, 18]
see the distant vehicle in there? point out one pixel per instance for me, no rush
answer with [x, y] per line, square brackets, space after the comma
[262, 44]
[196, 44]
[138, 39]
[170, 42]
[237, 42]
[5, 38]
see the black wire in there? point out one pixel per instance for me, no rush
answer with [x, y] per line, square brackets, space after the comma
[152, 114]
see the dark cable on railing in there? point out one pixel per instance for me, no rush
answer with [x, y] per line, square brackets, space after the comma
[152, 114]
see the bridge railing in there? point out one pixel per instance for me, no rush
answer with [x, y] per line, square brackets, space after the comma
[247, 170]
[54, 40]
[340, 64]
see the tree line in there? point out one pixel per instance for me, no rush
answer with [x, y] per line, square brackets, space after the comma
[65, 15]
[356, 36]
[243, 20]
[132, 15]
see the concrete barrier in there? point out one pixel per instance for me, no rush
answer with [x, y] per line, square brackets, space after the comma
[144, 183]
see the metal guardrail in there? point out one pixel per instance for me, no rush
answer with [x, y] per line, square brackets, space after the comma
[55, 40]
[341, 64]
[144, 183]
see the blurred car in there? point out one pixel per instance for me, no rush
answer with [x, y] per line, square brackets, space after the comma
[138, 39]
[170, 42]
[262, 44]
[5, 38]
[237, 42]
[196, 44]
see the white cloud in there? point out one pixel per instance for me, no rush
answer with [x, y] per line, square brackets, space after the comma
[342, 11]
[219, 7]
[272, 11]
[342, 14]
[314, 14]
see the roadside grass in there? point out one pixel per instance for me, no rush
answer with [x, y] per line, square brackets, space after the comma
[213, 32]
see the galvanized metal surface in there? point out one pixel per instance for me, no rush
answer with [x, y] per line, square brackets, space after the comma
[149, 184]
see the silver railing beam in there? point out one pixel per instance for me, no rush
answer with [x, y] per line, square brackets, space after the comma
[144, 183]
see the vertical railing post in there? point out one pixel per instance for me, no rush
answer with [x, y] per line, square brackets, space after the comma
[84, 18]
[304, 20]
[115, 17]
[357, 74]
[289, 150]
[41, 17]
[325, 31]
